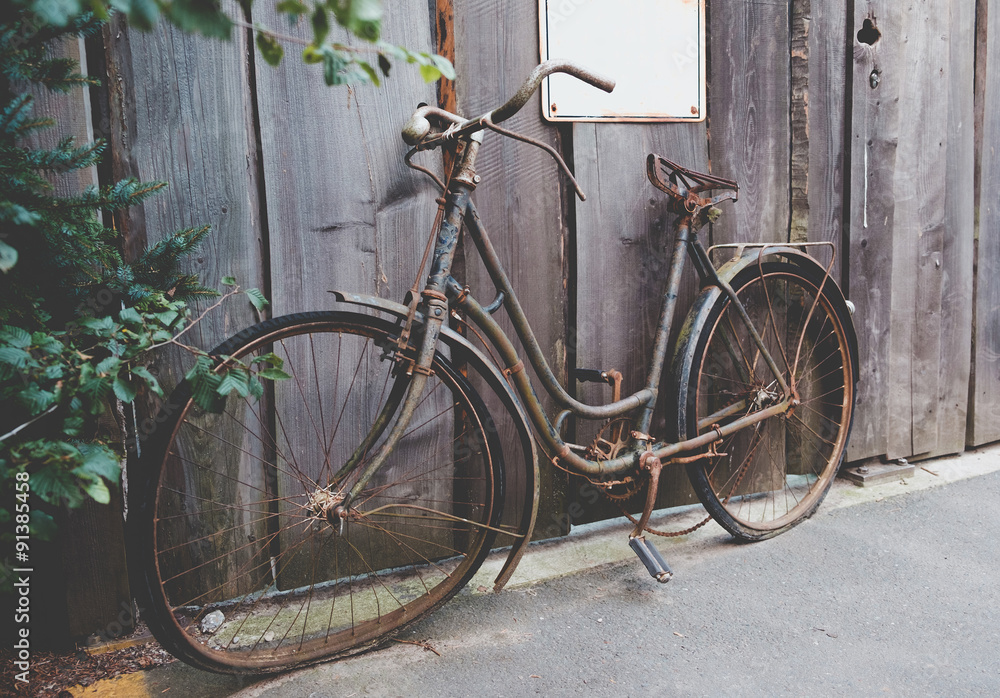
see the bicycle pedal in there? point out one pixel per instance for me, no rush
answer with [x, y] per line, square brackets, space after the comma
[655, 564]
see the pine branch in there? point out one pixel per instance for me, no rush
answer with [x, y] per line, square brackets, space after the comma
[65, 157]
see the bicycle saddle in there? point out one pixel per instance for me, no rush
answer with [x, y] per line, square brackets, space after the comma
[679, 181]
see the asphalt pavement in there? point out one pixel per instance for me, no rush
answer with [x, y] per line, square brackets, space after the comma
[891, 590]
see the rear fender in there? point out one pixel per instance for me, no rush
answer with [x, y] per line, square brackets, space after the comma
[697, 316]
[511, 402]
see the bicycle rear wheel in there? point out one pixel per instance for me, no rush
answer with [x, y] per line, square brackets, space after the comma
[769, 477]
[240, 567]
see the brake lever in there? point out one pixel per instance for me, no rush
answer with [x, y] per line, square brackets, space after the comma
[488, 123]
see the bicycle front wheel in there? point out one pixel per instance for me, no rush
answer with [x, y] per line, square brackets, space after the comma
[770, 476]
[243, 569]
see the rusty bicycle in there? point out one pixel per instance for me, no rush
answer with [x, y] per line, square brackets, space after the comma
[316, 517]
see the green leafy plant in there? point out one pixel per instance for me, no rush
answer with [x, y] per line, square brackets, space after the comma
[77, 321]
[343, 63]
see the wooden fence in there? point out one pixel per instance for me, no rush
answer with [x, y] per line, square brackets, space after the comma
[872, 124]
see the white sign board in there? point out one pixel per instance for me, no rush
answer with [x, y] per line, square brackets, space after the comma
[654, 49]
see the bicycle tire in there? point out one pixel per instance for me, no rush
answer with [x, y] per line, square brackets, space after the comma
[222, 520]
[769, 477]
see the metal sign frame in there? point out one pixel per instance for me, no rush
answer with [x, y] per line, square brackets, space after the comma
[654, 49]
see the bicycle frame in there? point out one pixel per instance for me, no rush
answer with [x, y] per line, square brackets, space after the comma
[442, 291]
[643, 401]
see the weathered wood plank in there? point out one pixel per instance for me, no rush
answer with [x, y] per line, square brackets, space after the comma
[874, 136]
[521, 196]
[984, 423]
[624, 240]
[343, 211]
[72, 114]
[96, 594]
[918, 230]
[955, 329]
[749, 117]
[817, 122]
[174, 97]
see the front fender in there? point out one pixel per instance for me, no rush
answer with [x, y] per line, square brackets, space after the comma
[496, 381]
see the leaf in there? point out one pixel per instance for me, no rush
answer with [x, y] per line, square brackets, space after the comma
[123, 390]
[8, 257]
[257, 298]
[97, 490]
[256, 388]
[102, 326]
[108, 366]
[312, 55]
[231, 280]
[384, 65]
[270, 358]
[201, 366]
[237, 380]
[12, 356]
[101, 461]
[56, 485]
[363, 18]
[333, 65]
[43, 526]
[292, 7]
[320, 25]
[204, 16]
[142, 14]
[429, 73]
[370, 72]
[16, 337]
[274, 374]
[36, 400]
[443, 65]
[57, 12]
[130, 316]
[272, 53]
[143, 373]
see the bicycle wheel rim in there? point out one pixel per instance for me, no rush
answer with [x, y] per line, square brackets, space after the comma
[773, 475]
[290, 588]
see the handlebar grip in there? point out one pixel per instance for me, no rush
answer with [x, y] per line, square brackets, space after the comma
[542, 71]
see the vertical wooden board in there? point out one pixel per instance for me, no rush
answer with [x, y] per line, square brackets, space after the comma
[749, 117]
[72, 114]
[874, 136]
[624, 241]
[520, 198]
[918, 230]
[825, 114]
[958, 246]
[985, 389]
[181, 113]
[96, 594]
[343, 210]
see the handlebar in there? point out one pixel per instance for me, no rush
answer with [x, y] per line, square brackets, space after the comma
[418, 127]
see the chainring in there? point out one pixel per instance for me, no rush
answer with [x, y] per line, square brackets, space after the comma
[609, 442]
